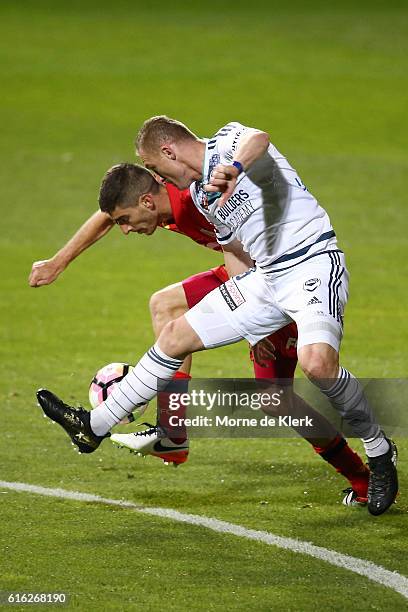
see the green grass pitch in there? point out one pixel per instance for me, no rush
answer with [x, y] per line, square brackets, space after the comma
[328, 80]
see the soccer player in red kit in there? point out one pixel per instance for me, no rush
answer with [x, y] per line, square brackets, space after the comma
[156, 205]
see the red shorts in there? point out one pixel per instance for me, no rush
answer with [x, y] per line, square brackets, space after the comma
[197, 286]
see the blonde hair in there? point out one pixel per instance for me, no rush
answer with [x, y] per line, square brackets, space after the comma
[159, 130]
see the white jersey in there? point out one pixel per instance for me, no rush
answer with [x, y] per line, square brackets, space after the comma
[278, 222]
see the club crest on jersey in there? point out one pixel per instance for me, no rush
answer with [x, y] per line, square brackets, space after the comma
[232, 294]
[202, 199]
[312, 284]
[214, 161]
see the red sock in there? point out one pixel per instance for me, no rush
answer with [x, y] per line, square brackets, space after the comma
[178, 435]
[347, 462]
[275, 369]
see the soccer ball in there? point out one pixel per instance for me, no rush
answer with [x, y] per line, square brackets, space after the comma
[104, 382]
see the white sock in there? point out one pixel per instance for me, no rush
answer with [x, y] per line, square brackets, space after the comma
[151, 375]
[347, 396]
[374, 447]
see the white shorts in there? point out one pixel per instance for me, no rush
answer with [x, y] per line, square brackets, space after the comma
[254, 304]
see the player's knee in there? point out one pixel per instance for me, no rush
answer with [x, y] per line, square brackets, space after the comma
[160, 306]
[171, 340]
[178, 339]
[319, 361]
[167, 304]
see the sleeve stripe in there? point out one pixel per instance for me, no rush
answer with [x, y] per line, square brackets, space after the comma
[224, 238]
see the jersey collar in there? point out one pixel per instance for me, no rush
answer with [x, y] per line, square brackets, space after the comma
[205, 178]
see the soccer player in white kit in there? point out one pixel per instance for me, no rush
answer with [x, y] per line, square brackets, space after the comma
[262, 212]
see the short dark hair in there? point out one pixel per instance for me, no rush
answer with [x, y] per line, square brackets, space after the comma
[160, 129]
[123, 185]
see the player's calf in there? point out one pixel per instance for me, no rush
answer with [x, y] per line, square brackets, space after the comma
[167, 305]
[346, 462]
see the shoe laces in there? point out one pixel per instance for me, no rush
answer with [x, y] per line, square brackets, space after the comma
[382, 466]
[376, 490]
[379, 478]
[152, 429]
[74, 415]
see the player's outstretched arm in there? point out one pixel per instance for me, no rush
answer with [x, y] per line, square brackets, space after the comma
[251, 147]
[45, 272]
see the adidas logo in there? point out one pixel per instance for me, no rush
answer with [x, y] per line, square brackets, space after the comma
[314, 300]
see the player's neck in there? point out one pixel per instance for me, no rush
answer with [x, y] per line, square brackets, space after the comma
[165, 213]
[193, 156]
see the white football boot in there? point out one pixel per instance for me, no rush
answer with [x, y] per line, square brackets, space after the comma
[153, 441]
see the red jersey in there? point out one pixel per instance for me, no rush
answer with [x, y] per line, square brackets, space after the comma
[188, 220]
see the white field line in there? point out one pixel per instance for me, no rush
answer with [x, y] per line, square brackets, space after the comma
[370, 570]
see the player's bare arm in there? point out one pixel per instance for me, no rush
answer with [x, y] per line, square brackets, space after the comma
[224, 177]
[47, 271]
[236, 259]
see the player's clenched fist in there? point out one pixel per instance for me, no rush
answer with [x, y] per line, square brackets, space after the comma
[223, 179]
[264, 351]
[45, 272]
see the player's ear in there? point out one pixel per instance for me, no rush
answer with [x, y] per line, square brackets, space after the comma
[147, 201]
[168, 151]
